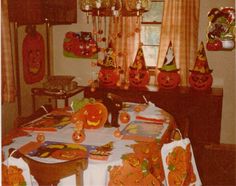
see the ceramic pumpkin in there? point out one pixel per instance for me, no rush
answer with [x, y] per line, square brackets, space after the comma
[108, 77]
[168, 79]
[200, 81]
[138, 78]
[78, 136]
[93, 115]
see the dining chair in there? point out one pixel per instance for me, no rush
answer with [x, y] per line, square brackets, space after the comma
[44, 109]
[51, 173]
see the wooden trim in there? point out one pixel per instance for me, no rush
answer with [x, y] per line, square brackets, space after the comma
[17, 66]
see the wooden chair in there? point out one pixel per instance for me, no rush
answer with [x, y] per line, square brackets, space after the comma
[217, 164]
[51, 173]
[44, 109]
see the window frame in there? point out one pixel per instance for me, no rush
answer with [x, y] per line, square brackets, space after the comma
[152, 68]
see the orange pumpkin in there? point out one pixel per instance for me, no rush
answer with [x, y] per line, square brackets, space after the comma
[200, 81]
[168, 79]
[124, 117]
[93, 115]
[139, 78]
[108, 77]
[78, 136]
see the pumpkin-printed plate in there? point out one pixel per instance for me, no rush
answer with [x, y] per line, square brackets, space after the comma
[179, 163]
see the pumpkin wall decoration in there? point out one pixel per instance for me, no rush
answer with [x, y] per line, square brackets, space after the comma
[138, 74]
[109, 73]
[200, 77]
[92, 115]
[33, 56]
[168, 77]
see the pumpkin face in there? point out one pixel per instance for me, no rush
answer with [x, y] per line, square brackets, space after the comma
[138, 78]
[200, 81]
[168, 80]
[78, 136]
[92, 115]
[108, 77]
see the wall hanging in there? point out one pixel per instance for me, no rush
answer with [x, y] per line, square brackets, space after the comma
[200, 77]
[138, 73]
[33, 55]
[221, 29]
[80, 45]
[168, 76]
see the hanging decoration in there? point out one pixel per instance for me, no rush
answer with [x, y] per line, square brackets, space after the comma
[168, 77]
[200, 77]
[80, 45]
[221, 29]
[33, 55]
[138, 73]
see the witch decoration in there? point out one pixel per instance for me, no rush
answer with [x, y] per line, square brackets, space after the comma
[168, 77]
[200, 77]
[109, 73]
[138, 73]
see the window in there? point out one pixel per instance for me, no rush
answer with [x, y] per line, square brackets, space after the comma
[150, 32]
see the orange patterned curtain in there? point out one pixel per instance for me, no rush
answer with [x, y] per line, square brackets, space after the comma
[8, 85]
[124, 33]
[180, 26]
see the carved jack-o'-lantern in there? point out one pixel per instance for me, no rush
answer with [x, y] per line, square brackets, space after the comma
[168, 79]
[92, 115]
[200, 81]
[108, 77]
[138, 78]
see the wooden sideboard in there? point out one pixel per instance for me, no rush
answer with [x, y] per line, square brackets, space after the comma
[202, 108]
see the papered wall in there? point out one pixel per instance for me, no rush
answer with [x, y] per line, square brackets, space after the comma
[222, 63]
[224, 72]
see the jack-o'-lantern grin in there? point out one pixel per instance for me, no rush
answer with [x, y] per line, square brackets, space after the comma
[93, 119]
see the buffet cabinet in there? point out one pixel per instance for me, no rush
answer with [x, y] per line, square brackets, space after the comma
[202, 108]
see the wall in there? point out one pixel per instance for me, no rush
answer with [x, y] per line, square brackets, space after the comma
[224, 70]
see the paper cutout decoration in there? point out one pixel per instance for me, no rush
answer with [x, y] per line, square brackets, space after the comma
[200, 77]
[33, 56]
[221, 29]
[138, 73]
[168, 77]
[109, 73]
[80, 45]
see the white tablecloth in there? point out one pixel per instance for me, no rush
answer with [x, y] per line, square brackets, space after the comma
[96, 174]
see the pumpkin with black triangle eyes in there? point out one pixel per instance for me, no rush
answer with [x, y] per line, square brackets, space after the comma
[200, 81]
[138, 78]
[168, 79]
[108, 77]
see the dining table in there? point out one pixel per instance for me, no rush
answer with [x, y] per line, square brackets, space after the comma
[96, 173]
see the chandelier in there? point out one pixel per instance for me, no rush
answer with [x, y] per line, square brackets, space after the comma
[114, 7]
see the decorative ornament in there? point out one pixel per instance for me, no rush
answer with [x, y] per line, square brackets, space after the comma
[124, 117]
[168, 77]
[92, 115]
[33, 56]
[78, 136]
[200, 77]
[80, 45]
[138, 73]
[221, 29]
[109, 74]
[40, 137]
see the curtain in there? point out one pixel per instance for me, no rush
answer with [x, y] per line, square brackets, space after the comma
[8, 85]
[180, 26]
[124, 34]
